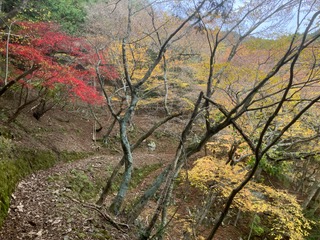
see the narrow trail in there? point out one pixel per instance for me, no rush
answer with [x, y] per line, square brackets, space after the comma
[43, 205]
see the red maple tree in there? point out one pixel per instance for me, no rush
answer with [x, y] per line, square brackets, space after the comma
[52, 64]
[61, 62]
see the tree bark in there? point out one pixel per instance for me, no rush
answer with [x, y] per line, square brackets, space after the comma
[138, 207]
[315, 187]
[175, 168]
[107, 188]
[41, 109]
[12, 82]
[108, 185]
[128, 161]
[166, 88]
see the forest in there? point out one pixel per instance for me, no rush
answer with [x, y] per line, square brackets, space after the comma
[159, 119]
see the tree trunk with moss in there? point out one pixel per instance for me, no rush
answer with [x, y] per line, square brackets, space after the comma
[128, 161]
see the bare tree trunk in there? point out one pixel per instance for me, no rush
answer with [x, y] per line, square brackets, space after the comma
[116, 170]
[315, 187]
[166, 89]
[96, 119]
[139, 206]
[110, 128]
[146, 234]
[175, 169]
[302, 179]
[7, 54]
[128, 161]
[107, 188]
[316, 204]
[40, 109]
[205, 209]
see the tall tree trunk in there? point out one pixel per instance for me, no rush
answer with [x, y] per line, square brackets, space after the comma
[315, 187]
[128, 161]
[108, 185]
[165, 81]
[139, 206]
[110, 128]
[107, 188]
[205, 209]
[175, 167]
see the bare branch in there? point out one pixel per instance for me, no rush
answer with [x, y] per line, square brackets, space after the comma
[23, 75]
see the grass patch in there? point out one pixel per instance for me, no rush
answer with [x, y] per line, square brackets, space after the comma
[84, 187]
[139, 174]
[79, 182]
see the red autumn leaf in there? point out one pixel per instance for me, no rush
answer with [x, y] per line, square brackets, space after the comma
[66, 62]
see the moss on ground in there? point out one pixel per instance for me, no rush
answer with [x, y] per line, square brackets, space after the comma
[81, 184]
[17, 163]
[84, 187]
[140, 174]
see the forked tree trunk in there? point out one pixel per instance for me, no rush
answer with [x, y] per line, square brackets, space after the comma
[23, 105]
[41, 109]
[116, 170]
[175, 168]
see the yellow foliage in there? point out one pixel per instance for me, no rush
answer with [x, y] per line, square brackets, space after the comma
[189, 103]
[281, 209]
[150, 101]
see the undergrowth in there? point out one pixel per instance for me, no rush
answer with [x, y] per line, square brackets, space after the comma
[85, 187]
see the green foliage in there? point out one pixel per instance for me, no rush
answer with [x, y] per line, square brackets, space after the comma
[70, 14]
[256, 226]
[6, 147]
[72, 156]
[271, 168]
[140, 174]
[8, 5]
[8, 177]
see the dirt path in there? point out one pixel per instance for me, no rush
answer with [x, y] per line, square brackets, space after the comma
[43, 205]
